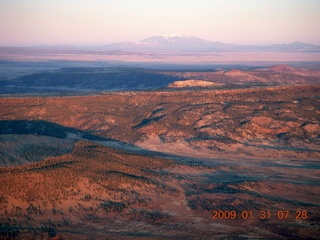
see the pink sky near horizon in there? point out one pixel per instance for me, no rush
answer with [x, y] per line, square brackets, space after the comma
[98, 22]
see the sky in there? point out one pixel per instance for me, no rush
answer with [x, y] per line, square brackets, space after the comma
[100, 22]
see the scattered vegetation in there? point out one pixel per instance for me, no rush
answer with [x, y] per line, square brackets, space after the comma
[87, 184]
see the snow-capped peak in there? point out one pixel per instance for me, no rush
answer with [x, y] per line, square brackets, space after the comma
[172, 38]
[167, 36]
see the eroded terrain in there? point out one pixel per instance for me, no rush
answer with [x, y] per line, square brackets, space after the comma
[157, 164]
[263, 123]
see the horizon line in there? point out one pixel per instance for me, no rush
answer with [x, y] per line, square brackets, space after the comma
[92, 45]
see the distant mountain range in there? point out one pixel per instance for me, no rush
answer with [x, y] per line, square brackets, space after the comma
[190, 43]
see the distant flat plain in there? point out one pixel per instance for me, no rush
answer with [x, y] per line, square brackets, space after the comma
[169, 57]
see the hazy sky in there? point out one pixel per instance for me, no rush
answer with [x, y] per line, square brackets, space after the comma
[81, 22]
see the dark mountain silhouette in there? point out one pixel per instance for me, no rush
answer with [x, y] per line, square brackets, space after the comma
[88, 79]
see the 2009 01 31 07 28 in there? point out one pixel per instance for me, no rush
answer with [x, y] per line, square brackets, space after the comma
[262, 214]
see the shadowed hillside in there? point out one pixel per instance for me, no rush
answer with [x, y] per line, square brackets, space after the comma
[17, 149]
[24, 141]
[250, 123]
[36, 127]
